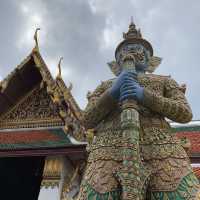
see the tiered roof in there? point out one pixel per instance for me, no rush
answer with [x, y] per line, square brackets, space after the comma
[190, 134]
[37, 112]
[38, 117]
[36, 142]
[193, 134]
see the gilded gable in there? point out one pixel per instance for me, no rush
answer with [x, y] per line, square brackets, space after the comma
[36, 109]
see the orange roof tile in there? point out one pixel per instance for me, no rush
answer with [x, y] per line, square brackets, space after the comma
[23, 139]
[197, 171]
[194, 137]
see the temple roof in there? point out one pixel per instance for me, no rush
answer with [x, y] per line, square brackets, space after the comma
[21, 80]
[191, 132]
[191, 135]
[33, 139]
[32, 77]
[25, 142]
[37, 112]
[28, 74]
[196, 170]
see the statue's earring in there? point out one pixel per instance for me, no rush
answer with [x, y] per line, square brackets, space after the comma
[153, 63]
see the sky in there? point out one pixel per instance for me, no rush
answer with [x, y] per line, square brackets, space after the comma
[86, 32]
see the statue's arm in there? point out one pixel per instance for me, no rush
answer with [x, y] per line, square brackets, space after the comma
[172, 105]
[99, 105]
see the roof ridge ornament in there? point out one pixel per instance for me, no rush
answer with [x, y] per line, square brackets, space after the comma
[36, 48]
[59, 76]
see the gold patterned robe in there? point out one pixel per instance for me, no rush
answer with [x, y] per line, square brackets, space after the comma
[160, 150]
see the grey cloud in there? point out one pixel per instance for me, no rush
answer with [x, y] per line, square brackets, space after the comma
[10, 21]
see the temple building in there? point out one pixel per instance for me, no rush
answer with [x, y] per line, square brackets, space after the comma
[41, 134]
[39, 129]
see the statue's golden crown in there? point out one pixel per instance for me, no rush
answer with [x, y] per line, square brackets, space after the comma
[134, 36]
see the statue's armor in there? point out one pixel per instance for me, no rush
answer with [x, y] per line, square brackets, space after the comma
[160, 150]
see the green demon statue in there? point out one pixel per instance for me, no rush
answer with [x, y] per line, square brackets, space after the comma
[134, 154]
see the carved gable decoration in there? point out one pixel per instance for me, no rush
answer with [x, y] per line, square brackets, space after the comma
[36, 109]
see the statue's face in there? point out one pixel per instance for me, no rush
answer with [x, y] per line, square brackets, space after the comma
[139, 53]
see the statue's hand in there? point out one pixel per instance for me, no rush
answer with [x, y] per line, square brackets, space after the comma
[124, 77]
[131, 89]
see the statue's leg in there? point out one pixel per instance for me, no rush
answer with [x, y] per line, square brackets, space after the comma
[99, 181]
[173, 178]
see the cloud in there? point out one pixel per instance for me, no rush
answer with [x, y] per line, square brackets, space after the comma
[34, 18]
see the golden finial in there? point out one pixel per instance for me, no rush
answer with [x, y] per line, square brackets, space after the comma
[132, 31]
[132, 21]
[59, 68]
[36, 48]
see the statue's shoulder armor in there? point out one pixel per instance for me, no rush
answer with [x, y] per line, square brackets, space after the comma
[153, 81]
[100, 89]
[169, 83]
[157, 77]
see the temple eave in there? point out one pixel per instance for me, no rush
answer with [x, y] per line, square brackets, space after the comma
[77, 151]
